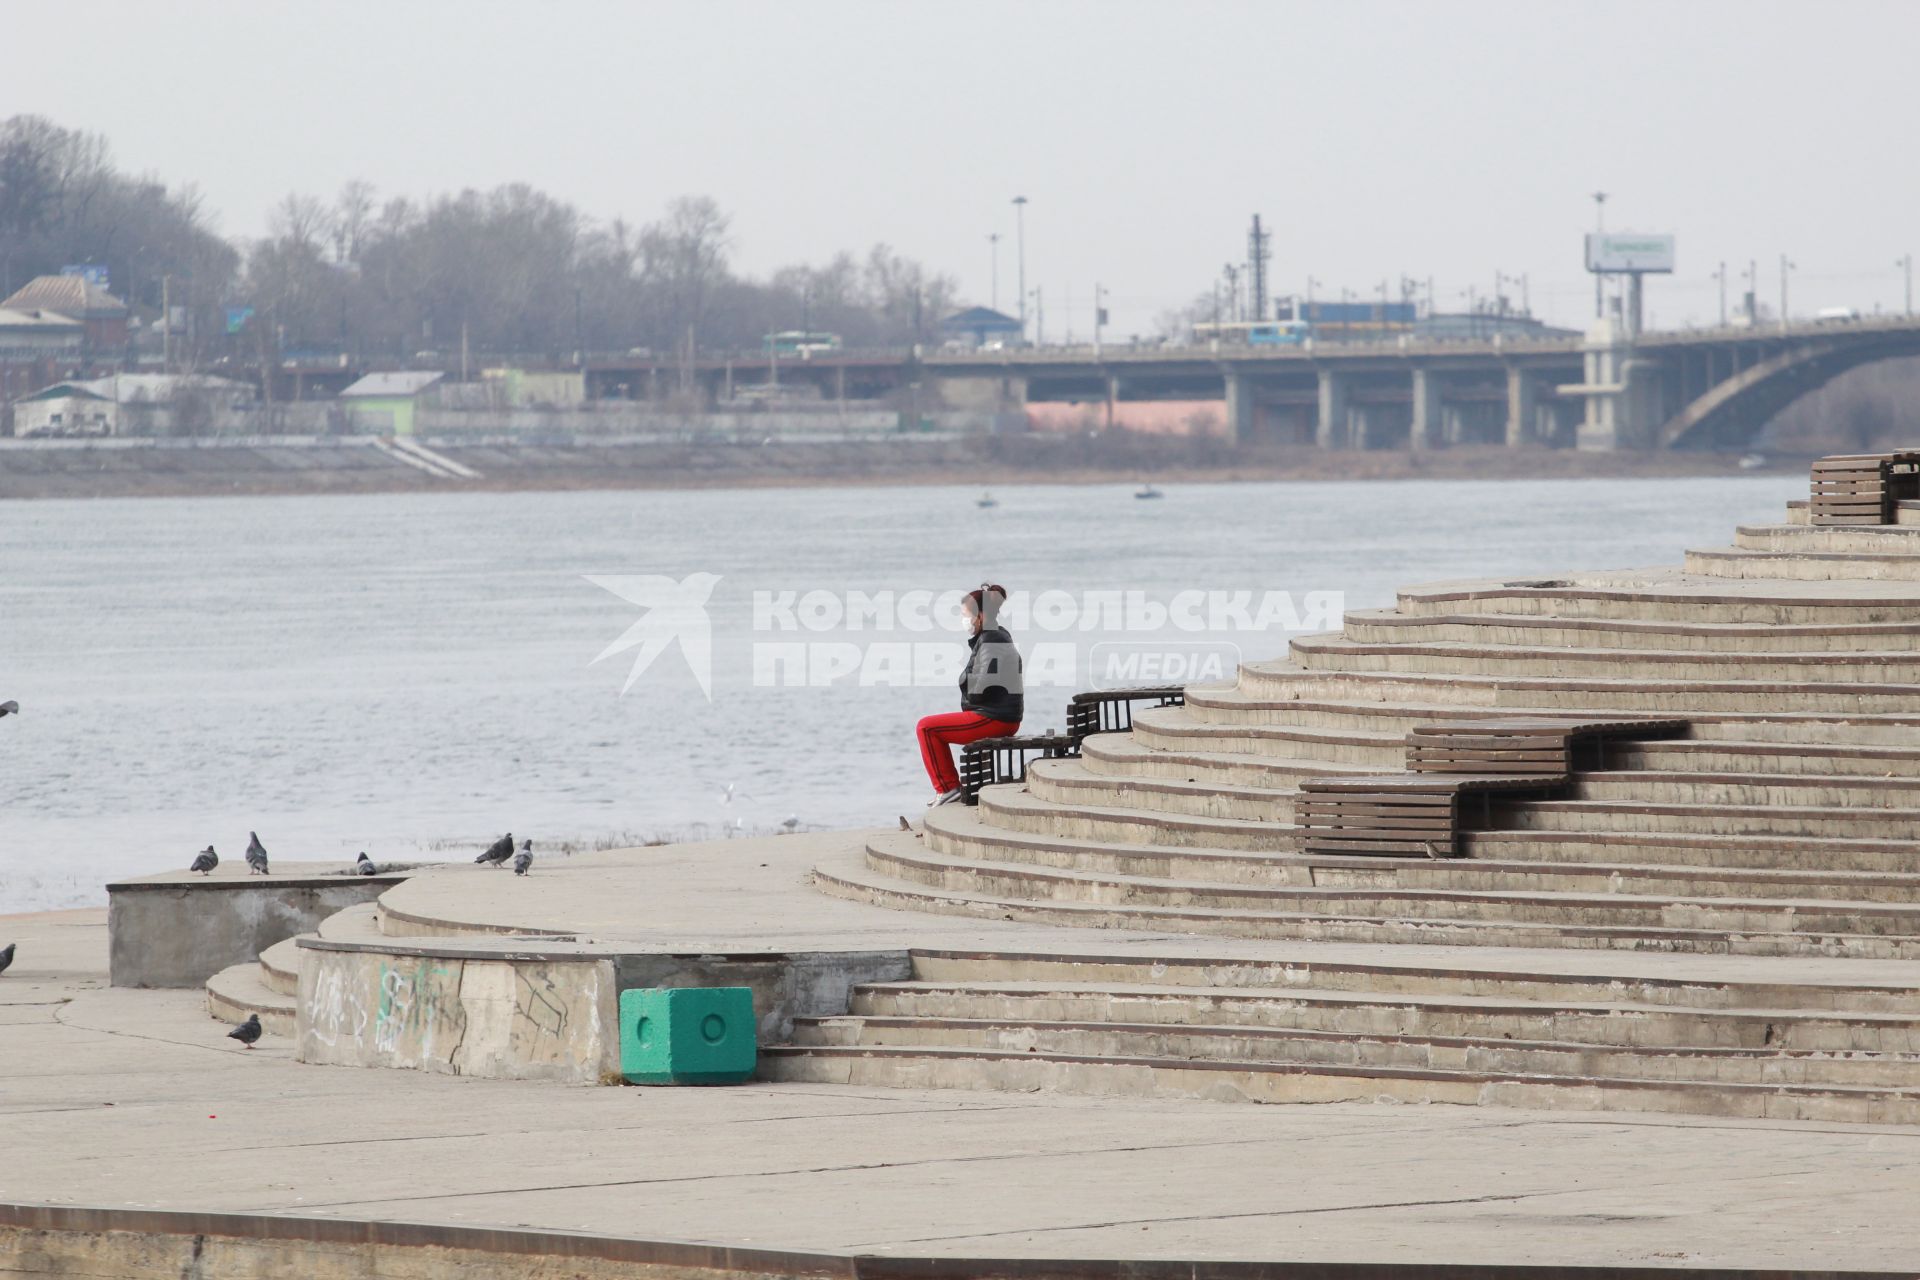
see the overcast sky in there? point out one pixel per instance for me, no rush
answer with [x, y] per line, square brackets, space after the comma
[1441, 140]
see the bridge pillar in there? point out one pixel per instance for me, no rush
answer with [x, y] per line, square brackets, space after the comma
[1427, 426]
[1330, 431]
[1620, 390]
[1240, 408]
[1521, 406]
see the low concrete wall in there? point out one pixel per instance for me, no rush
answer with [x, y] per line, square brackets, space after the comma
[516, 1014]
[459, 1011]
[172, 931]
[39, 1241]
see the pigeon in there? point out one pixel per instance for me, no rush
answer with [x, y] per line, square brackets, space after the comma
[256, 854]
[523, 859]
[9, 708]
[6, 955]
[247, 1032]
[904, 824]
[365, 867]
[205, 861]
[499, 851]
[792, 822]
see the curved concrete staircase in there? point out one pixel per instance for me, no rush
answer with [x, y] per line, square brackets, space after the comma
[1783, 830]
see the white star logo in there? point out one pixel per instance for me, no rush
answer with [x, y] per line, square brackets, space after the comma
[674, 611]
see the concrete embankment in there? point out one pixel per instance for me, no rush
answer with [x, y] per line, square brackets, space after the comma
[357, 464]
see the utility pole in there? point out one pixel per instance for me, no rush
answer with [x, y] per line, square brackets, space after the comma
[1258, 252]
[993, 243]
[1099, 315]
[1039, 316]
[1233, 289]
[1785, 267]
[1599, 227]
[1721, 276]
[1753, 292]
[1020, 239]
[1906, 264]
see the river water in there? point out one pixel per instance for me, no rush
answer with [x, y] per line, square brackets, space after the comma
[413, 674]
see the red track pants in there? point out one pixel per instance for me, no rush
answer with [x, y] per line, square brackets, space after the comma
[939, 735]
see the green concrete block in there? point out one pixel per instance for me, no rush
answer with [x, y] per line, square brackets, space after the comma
[687, 1035]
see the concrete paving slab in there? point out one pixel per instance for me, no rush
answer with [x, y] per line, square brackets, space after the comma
[136, 1099]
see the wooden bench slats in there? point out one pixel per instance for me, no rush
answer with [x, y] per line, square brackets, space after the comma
[1861, 488]
[1418, 812]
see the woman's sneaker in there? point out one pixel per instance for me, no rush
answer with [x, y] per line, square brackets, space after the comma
[945, 797]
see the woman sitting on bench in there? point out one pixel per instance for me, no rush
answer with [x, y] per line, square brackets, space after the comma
[991, 694]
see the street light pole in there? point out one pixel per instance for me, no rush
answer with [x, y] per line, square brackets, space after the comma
[1721, 276]
[1785, 267]
[1020, 238]
[1599, 227]
[1906, 263]
[993, 242]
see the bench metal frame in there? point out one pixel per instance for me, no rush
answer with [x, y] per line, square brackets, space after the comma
[995, 760]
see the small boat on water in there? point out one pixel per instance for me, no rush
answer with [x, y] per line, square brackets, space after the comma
[1147, 491]
[986, 500]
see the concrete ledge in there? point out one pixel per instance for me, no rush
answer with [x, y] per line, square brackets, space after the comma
[131, 1244]
[179, 929]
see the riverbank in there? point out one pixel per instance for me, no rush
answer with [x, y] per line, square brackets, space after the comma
[268, 466]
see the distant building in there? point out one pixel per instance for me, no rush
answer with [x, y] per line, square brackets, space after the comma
[385, 402]
[102, 316]
[980, 327]
[1469, 326]
[130, 404]
[32, 334]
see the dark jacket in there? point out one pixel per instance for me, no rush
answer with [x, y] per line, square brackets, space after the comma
[992, 685]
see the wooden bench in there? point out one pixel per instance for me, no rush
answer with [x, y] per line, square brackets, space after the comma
[1454, 773]
[995, 760]
[1862, 488]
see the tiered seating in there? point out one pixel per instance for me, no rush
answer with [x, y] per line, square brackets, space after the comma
[1786, 823]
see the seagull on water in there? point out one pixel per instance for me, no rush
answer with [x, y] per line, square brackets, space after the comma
[204, 861]
[497, 852]
[523, 859]
[256, 854]
[9, 708]
[6, 955]
[365, 867]
[247, 1032]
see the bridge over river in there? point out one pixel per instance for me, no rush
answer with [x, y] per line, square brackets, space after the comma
[1609, 389]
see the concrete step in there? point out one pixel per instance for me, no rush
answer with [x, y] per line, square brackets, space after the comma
[1605, 912]
[1027, 1071]
[1732, 852]
[1853, 539]
[1696, 818]
[1800, 759]
[1376, 724]
[1198, 729]
[1823, 986]
[879, 887]
[1791, 790]
[1124, 755]
[1607, 1023]
[1482, 1050]
[1072, 783]
[359, 923]
[1669, 595]
[1389, 626]
[1017, 809]
[239, 990]
[280, 966]
[1336, 653]
[1804, 566]
[1262, 683]
[954, 833]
